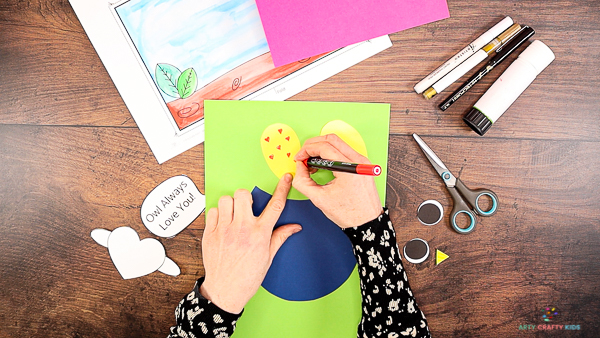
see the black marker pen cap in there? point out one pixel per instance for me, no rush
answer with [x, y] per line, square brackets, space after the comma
[477, 121]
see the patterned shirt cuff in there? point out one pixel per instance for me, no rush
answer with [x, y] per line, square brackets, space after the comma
[199, 317]
[212, 307]
[354, 232]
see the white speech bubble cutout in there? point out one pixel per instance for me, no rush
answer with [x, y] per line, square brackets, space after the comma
[132, 257]
[172, 206]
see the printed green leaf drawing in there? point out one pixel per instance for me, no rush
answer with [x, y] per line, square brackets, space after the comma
[166, 78]
[187, 82]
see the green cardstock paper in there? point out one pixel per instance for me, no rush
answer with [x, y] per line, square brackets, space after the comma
[336, 315]
[233, 129]
[234, 160]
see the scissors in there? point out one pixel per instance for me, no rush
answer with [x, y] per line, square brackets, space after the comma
[466, 201]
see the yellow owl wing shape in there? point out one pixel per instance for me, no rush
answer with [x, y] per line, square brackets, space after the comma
[279, 144]
[347, 133]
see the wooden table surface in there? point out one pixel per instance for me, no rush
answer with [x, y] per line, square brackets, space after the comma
[72, 160]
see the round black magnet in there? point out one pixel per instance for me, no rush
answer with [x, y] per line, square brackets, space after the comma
[416, 251]
[430, 212]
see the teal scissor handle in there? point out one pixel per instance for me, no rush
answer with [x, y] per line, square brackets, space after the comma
[466, 201]
[473, 196]
[461, 207]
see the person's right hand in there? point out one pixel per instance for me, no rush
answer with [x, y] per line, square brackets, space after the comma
[349, 200]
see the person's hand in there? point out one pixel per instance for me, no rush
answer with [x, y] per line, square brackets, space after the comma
[238, 248]
[349, 200]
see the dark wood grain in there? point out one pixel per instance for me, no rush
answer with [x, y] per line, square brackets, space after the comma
[72, 160]
[59, 184]
[536, 250]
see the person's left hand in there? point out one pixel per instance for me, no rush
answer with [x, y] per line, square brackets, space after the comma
[238, 248]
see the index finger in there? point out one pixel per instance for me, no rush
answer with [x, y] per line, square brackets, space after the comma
[274, 208]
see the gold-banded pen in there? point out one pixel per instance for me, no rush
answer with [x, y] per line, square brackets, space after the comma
[471, 62]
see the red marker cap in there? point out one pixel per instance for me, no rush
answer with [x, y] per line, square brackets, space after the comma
[368, 169]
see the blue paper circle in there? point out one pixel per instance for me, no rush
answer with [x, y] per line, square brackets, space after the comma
[311, 263]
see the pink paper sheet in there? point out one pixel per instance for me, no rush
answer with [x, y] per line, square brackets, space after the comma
[299, 29]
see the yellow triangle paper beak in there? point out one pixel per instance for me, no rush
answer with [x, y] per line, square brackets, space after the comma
[440, 256]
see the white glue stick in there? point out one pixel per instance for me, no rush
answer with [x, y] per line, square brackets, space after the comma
[509, 86]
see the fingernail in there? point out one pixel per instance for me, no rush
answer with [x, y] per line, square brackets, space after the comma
[287, 177]
[297, 229]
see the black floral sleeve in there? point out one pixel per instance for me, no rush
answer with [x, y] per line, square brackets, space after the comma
[388, 305]
[198, 317]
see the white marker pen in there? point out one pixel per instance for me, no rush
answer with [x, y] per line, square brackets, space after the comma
[461, 56]
[509, 86]
[471, 62]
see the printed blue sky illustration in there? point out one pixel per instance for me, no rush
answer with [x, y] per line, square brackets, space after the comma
[211, 36]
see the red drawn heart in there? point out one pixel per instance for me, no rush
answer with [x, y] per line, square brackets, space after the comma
[280, 130]
[271, 156]
[279, 147]
[287, 138]
[288, 154]
[267, 139]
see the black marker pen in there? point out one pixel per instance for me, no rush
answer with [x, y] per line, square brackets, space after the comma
[353, 168]
[520, 38]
